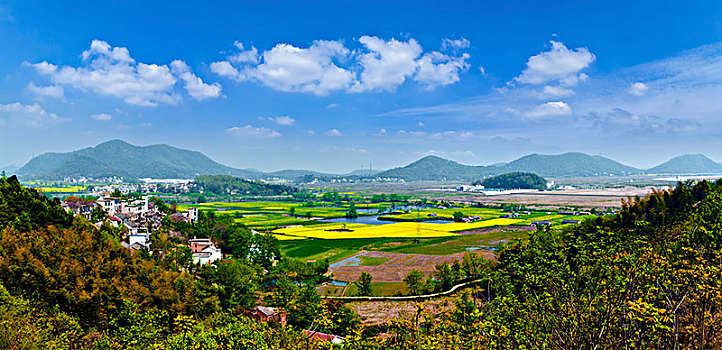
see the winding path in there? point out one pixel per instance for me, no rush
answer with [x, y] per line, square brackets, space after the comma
[407, 297]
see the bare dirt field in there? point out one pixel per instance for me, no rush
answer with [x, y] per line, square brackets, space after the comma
[598, 198]
[398, 265]
[375, 313]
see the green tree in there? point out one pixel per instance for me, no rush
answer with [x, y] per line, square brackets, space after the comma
[238, 239]
[264, 249]
[236, 283]
[415, 282]
[97, 214]
[364, 283]
[459, 216]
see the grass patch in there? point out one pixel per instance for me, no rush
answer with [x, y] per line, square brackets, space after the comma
[372, 260]
[380, 289]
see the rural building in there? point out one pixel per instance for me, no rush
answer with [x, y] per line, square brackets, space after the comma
[318, 336]
[269, 314]
[204, 251]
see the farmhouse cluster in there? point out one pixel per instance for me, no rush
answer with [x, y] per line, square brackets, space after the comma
[140, 218]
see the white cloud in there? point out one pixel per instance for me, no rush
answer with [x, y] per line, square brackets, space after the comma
[251, 131]
[332, 105]
[638, 89]
[437, 69]
[193, 84]
[550, 109]
[111, 71]
[282, 120]
[28, 115]
[460, 135]
[334, 132]
[557, 64]
[53, 91]
[244, 56]
[421, 124]
[462, 43]
[146, 125]
[293, 69]
[328, 66]
[102, 116]
[386, 64]
[557, 91]
[310, 132]
[411, 133]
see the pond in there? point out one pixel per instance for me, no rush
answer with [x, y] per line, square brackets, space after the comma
[352, 261]
[338, 283]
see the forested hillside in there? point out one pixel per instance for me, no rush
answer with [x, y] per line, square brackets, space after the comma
[647, 278]
[226, 184]
[514, 181]
[118, 158]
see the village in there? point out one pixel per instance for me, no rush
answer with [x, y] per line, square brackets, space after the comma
[140, 218]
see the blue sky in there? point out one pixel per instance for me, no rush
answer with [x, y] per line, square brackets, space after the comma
[336, 85]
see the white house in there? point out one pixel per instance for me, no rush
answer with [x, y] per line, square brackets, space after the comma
[204, 251]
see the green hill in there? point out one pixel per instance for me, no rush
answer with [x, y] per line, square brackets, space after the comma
[688, 164]
[118, 158]
[433, 168]
[568, 165]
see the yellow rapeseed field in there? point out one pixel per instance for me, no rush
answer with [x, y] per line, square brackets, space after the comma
[395, 230]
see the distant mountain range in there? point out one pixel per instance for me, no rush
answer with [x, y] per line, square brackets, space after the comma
[432, 168]
[119, 158]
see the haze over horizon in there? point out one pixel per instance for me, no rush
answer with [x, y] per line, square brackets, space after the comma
[345, 85]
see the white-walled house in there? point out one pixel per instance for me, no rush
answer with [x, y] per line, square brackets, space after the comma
[204, 251]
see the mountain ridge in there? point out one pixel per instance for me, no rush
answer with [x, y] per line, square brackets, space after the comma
[122, 159]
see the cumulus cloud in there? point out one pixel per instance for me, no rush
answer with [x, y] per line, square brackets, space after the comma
[28, 115]
[193, 84]
[638, 89]
[386, 64]
[53, 91]
[333, 132]
[436, 69]
[102, 117]
[251, 131]
[549, 109]
[111, 71]
[559, 64]
[282, 120]
[292, 69]
[327, 65]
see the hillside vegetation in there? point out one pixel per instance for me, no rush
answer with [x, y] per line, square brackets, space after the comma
[226, 184]
[118, 158]
[646, 278]
[514, 181]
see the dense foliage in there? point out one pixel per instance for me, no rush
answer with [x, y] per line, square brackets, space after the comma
[226, 184]
[646, 278]
[514, 181]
